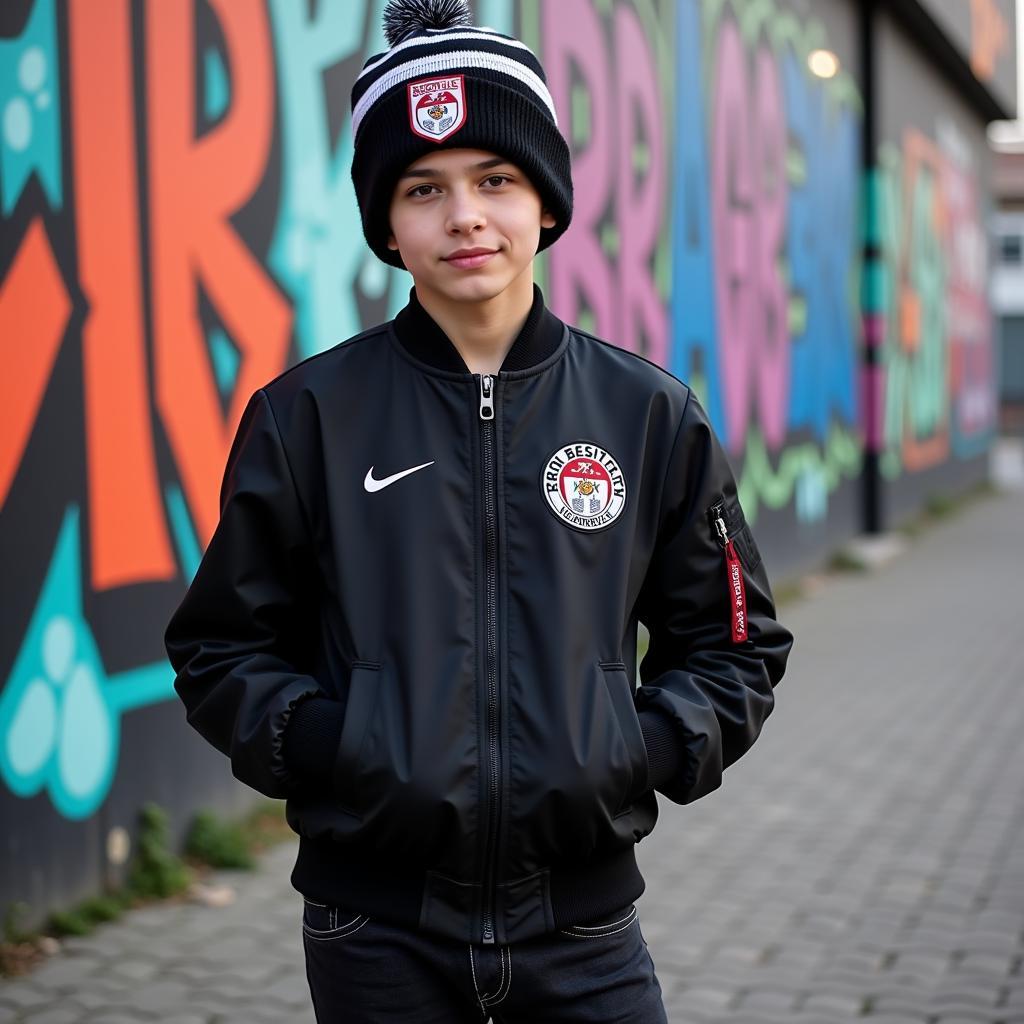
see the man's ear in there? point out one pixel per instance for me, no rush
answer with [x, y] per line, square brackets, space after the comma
[547, 219]
[392, 244]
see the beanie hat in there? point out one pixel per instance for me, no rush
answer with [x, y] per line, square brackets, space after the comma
[446, 84]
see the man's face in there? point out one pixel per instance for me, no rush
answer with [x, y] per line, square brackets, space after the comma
[465, 199]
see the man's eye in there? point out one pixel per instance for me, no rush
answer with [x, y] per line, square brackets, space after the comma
[498, 179]
[417, 190]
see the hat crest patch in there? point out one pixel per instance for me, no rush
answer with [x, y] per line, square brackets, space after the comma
[437, 106]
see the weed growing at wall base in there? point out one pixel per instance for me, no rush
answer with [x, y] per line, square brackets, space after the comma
[156, 874]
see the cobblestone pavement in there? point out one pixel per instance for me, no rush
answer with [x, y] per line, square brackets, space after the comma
[865, 860]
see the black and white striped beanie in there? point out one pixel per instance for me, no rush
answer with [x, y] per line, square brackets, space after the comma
[448, 84]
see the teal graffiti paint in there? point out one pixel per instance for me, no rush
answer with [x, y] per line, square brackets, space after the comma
[30, 109]
[60, 713]
[216, 91]
[189, 553]
[318, 252]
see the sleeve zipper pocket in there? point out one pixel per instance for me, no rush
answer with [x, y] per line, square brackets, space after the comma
[733, 572]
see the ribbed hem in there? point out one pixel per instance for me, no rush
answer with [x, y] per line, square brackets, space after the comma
[583, 892]
[664, 757]
[330, 873]
[336, 875]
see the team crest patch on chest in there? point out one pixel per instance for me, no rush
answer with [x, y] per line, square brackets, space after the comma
[437, 106]
[584, 486]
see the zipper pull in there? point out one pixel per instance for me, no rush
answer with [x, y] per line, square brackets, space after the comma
[486, 397]
[734, 577]
[720, 528]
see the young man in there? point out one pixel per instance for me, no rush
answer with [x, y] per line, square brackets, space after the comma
[417, 619]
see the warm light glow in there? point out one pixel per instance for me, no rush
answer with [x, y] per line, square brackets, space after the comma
[823, 63]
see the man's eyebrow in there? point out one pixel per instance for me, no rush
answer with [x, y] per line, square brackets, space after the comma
[430, 172]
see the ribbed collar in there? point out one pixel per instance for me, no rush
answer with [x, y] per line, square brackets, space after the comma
[422, 338]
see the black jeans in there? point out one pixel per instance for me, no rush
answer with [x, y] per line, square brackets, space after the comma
[363, 971]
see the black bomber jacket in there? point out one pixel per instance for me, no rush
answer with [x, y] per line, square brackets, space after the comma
[416, 621]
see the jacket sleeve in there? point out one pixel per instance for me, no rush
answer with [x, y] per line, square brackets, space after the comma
[713, 692]
[235, 639]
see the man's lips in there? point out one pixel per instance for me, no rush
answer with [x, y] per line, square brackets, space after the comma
[469, 258]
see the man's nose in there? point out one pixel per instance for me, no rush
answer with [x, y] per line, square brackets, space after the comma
[464, 211]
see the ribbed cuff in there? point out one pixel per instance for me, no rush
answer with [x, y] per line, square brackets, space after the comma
[664, 756]
[311, 740]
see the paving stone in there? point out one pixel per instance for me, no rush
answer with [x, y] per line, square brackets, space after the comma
[291, 990]
[63, 1014]
[832, 1003]
[899, 1003]
[133, 971]
[986, 1018]
[955, 993]
[893, 1018]
[761, 1017]
[63, 972]
[116, 1017]
[160, 995]
[228, 989]
[766, 1001]
[92, 999]
[23, 994]
[699, 997]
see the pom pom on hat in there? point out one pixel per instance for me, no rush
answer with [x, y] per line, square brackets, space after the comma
[403, 18]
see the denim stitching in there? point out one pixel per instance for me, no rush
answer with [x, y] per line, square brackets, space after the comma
[576, 935]
[332, 924]
[340, 935]
[607, 924]
[508, 981]
[472, 969]
[501, 979]
[503, 952]
[332, 920]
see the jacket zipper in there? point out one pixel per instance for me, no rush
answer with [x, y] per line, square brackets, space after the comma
[734, 576]
[491, 652]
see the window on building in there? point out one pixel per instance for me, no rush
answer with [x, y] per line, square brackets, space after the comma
[1011, 249]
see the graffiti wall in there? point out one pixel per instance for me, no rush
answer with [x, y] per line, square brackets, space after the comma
[983, 33]
[927, 307]
[177, 226]
[716, 231]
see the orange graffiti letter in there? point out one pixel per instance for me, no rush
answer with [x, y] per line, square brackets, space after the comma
[34, 310]
[128, 534]
[196, 185]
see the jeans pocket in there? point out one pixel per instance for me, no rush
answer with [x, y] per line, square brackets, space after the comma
[608, 924]
[324, 923]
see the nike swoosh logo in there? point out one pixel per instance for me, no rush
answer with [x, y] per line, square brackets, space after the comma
[378, 485]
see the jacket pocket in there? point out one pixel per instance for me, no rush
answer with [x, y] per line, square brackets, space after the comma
[620, 691]
[737, 530]
[363, 690]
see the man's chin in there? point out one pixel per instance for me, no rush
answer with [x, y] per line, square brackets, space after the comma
[478, 289]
